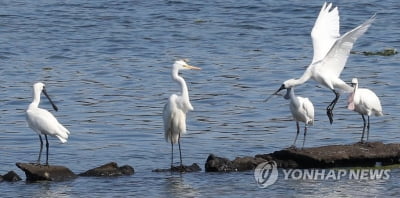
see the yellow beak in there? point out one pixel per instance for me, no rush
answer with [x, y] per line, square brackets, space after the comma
[192, 67]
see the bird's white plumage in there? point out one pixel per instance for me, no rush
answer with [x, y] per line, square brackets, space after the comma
[325, 31]
[330, 50]
[337, 56]
[174, 119]
[302, 108]
[364, 101]
[41, 120]
[302, 111]
[330, 54]
[44, 123]
[174, 113]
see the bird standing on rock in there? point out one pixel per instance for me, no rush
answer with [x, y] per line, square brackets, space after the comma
[302, 110]
[174, 113]
[330, 54]
[43, 122]
[365, 102]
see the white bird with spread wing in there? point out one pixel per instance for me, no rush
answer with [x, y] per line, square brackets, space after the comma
[330, 54]
[174, 113]
[365, 102]
[43, 122]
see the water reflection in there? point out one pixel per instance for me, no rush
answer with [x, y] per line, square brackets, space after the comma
[176, 186]
[50, 189]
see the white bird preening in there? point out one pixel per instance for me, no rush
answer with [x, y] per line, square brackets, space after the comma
[43, 122]
[302, 111]
[174, 113]
[365, 102]
[330, 54]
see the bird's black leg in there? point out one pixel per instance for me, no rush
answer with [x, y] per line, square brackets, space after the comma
[305, 133]
[47, 151]
[172, 153]
[362, 136]
[297, 134]
[330, 107]
[40, 151]
[180, 152]
[368, 129]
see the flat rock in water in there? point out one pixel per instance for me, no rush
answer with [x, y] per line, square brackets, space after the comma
[36, 172]
[11, 176]
[109, 170]
[219, 164]
[182, 169]
[353, 155]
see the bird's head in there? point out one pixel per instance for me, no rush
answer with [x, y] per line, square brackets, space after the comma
[183, 65]
[354, 82]
[40, 87]
[286, 85]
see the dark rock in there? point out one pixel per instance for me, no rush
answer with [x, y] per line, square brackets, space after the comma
[218, 164]
[109, 170]
[1, 178]
[11, 177]
[182, 169]
[247, 163]
[354, 155]
[36, 172]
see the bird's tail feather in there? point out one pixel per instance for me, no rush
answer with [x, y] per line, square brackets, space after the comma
[63, 136]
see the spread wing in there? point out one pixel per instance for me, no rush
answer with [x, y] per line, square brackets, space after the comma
[336, 58]
[325, 31]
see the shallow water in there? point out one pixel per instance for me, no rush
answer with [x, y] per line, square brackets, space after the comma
[107, 67]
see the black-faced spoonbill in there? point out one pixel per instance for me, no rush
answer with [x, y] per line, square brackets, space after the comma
[43, 122]
[330, 54]
[174, 113]
[302, 110]
[365, 102]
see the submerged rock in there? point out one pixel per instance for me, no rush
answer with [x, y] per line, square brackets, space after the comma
[182, 169]
[109, 170]
[354, 155]
[36, 172]
[11, 176]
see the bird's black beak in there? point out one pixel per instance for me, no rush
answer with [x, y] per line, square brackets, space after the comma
[48, 97]
[282, 87]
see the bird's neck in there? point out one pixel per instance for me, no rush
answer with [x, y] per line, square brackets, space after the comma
[36, 99]
[184, 89]
[355, 87]
[306, 75]
[293, 97]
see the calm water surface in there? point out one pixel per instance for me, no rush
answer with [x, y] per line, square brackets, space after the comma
[107, 67]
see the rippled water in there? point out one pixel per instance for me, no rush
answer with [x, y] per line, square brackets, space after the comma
[107, 66]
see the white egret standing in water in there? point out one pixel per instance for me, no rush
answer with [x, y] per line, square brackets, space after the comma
[330, 54]
[43, 122]
[302, 110]
[174, 113]
[365, 102]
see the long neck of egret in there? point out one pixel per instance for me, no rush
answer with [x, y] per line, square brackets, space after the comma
[184, 88]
